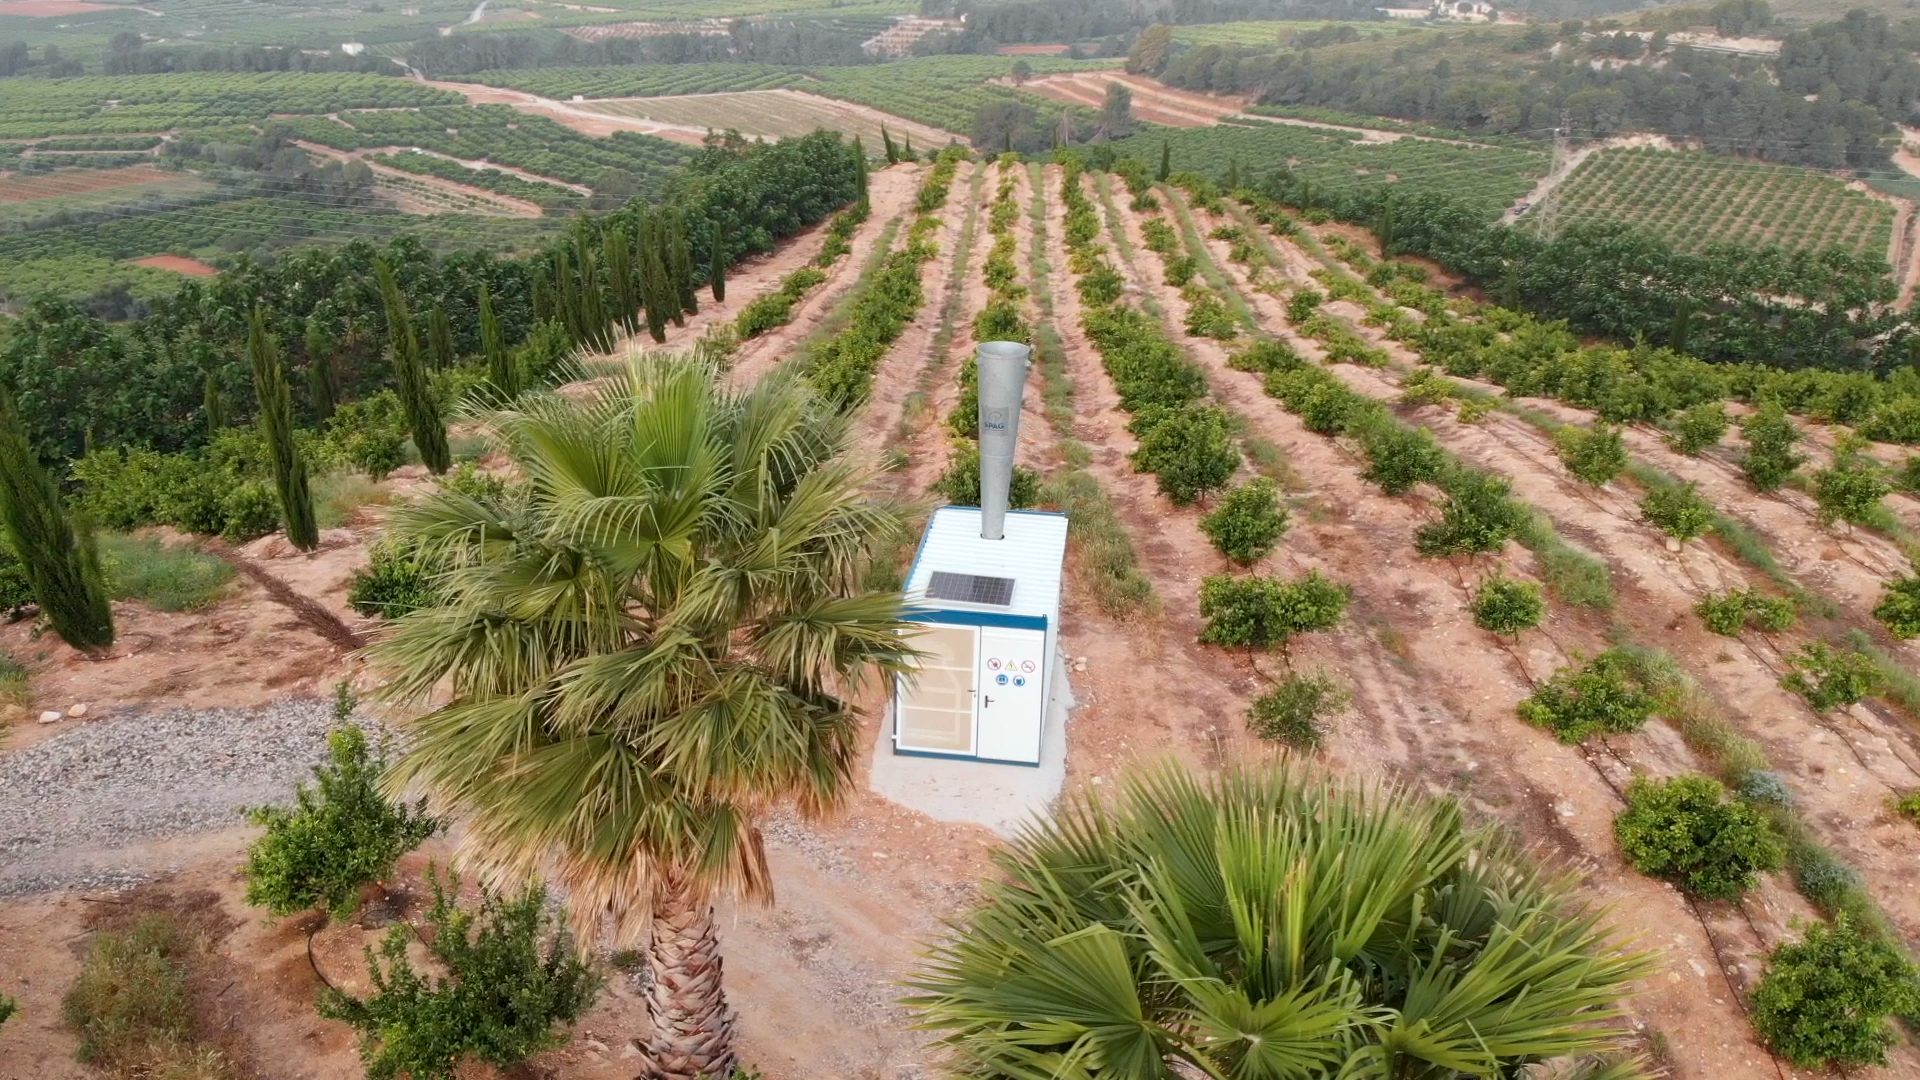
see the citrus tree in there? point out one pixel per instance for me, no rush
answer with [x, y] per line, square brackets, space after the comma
[645, 653]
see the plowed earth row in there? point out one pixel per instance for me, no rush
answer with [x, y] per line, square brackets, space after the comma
[1842, 768]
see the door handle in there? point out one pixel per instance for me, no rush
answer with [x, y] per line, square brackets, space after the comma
[986, 702]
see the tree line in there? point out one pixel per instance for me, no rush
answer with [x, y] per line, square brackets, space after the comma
[799, 43]
[1825, 309]
[1860, 72]
[84, 383]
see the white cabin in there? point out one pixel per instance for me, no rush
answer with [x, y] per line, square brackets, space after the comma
[991, 611]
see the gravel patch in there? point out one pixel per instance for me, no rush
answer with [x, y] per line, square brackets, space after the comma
[77, 809]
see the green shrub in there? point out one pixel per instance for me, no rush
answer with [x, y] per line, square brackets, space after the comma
[16, 592]
[396, 581]
[369, 435]
[1908, 806]
[1266, 613]
[1829, 678]
[1502, 605]
[960, 484]
[1699, 428]
[1605, 696]
[542, 358]
[1399, 456]
[1000, 321]
[1595, 455]
[1266, 356]
[1302, 305]
[1908, 478]
[1823, 879]
[1770, 458]
[1248, 522]
[1732, 611]
[339, 836]
[1207, 314]
[1101, 286]
[1293, 710]
[221, 489]
[1179, 269]
[1427, 386]
[1189, 451]
[1678, 510]
[1850, 491]
[8, 1007]
[163, 578]
[510, 975]
[1687, 831]
[1825, 999]
[477, 484]
[1765, 787]
[1479, 516]
[1899, 608]
[1329, 408]
[249, 510]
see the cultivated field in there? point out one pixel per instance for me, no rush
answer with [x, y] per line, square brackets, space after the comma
[1433, 698]
[80, 182]
[1152, 101]
[772, 114]
[1694, 199]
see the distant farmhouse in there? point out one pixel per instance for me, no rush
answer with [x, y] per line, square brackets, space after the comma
[1447, 10]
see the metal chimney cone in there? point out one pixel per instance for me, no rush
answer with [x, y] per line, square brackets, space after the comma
[1003, 377]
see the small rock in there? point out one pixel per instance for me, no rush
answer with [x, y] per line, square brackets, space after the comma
[596, 1046]
[78, 711]
[51, 716]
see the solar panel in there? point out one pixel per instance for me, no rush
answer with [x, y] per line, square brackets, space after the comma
[970, 588]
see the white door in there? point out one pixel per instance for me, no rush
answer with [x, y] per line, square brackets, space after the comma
[1012, 693]
[937, 702]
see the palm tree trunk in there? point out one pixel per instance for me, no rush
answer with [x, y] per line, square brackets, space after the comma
[692, 1036]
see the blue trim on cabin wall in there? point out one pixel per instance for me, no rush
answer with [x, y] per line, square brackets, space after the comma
[963, 757]
[956, 617]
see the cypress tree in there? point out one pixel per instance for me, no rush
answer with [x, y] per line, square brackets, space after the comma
[440, 338]
[1166, 161]
[276, 426]
[213, 400]
[682, 254]
[565, 307]
[323, 382]
[1233, 174]
[886, 143]
[416, 395]
[655, 289]
[906, 152]
[61, 564]
[862, 177]
[501, 370]
[542, 295]
[618, 251]
[717, 273]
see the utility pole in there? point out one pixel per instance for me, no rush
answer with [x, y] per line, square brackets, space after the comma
[1549, 210]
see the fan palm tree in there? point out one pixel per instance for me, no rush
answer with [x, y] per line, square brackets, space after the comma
[650, 642]
[1270, 924]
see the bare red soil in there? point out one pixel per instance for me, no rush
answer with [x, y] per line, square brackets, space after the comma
[179, 264]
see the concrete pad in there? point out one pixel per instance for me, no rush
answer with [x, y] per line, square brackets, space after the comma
[1001, 797]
